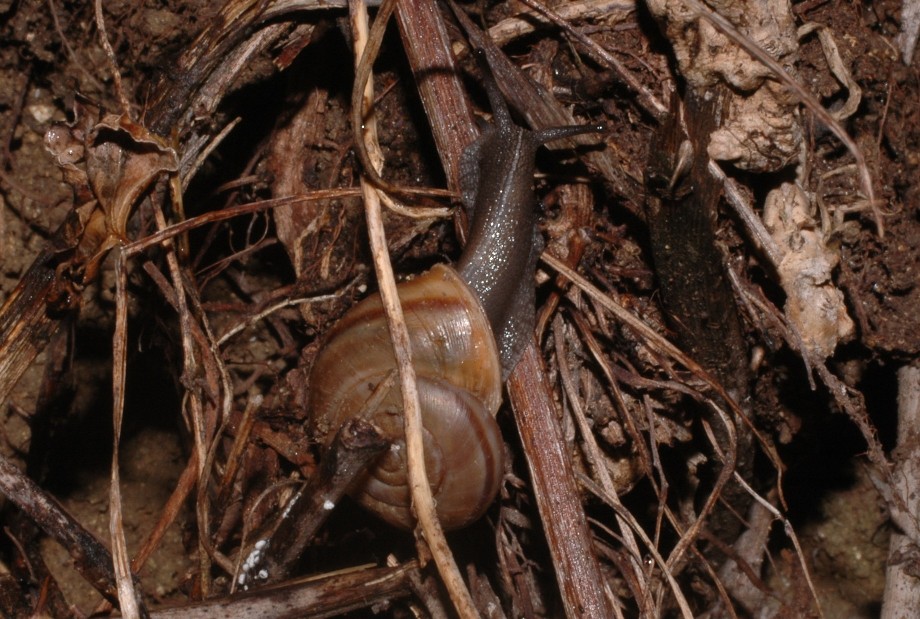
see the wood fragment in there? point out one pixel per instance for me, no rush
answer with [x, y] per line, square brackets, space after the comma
[91, 558]
[577, 570]
[682, 213]
[25, 323]
[442, 92]
[355, 446]
[327, 596]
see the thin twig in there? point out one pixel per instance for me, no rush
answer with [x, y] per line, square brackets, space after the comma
[113, 63]
[361, 105]
[593, 452]
[578, 572]
[81, 66]
[127, 595]
[328, 596]
[288, 302]
[790, 532]
[355, 447]
[91, 557]
[621, 511]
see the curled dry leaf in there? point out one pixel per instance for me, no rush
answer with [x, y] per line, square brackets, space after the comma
[123, 158]
[109, 164]
[814, 305]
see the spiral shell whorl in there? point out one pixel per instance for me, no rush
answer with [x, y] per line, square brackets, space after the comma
[459, 378]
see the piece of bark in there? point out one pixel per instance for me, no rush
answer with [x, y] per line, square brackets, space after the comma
[760, 130]
[578, 573]
[328, 596]
[442, 92]
[355, 446]
[25, 324]
[682, 209]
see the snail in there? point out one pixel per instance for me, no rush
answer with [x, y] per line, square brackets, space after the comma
[467, 326]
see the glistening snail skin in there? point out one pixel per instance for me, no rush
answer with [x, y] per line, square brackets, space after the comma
[451, 315]
[500, 257]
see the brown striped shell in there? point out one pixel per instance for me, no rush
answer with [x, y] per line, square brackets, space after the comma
[459, 378]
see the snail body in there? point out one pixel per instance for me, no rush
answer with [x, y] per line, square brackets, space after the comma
[467, 327]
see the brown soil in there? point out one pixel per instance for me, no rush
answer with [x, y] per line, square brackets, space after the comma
[58, 423]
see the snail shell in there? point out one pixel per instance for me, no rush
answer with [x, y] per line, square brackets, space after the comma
[451, 317]
[459, 378]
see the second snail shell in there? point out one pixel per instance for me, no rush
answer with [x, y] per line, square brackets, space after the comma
[459, 378]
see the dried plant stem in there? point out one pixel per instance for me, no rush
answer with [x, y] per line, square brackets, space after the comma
[651, 336]
[652, 548]
[91, 558]
[663, 346]
[902, 589]
[578, 573]
[595, 457]
[744, 210]
[366, 50]
[110, 55]
[357, 444]
[422, 499]
[327, 596]
[127, 596]
[790, 533]
[437, 77]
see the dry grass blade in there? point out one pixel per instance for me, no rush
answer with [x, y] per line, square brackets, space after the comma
[594, 455]
[650, 546]
[790, 532]
[371, 162]
[24, 324]
[422, 499]
[129, 602]
[663, 346]
[654, 338]
[746, 212]
[618, 498]
[110, 56]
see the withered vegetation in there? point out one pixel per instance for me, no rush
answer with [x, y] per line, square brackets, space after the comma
[717, 416]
